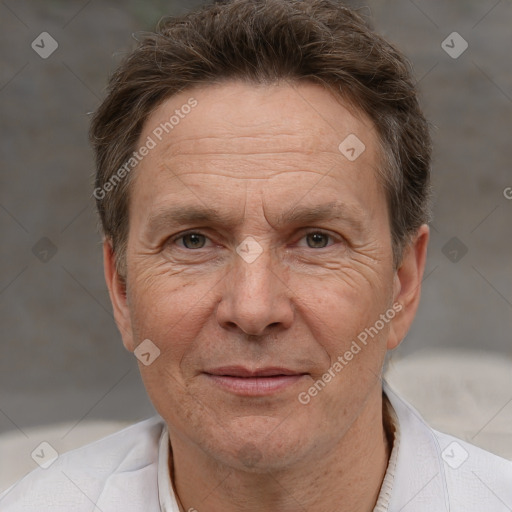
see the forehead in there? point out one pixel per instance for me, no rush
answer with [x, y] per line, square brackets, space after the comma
[295, 136]
[305, 115]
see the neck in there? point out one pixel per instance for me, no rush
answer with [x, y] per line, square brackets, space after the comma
[348, 478]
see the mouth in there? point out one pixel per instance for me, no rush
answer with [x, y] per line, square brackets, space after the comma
[254, 382]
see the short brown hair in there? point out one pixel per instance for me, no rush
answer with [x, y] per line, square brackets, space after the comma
[263, 42]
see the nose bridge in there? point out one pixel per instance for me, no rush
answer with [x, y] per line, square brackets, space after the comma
[253, 268]
[254, 297]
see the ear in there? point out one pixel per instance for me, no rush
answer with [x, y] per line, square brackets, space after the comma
[407, 286]
[117, 292]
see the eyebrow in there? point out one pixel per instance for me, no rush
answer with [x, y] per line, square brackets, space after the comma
[183, 215]
[180, 215]
[330, 211]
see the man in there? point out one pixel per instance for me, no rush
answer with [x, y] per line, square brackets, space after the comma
[263, 186]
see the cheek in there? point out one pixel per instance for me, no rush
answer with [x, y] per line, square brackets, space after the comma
[349, 329]
[339, 308]
[169, 311]
[344, 317]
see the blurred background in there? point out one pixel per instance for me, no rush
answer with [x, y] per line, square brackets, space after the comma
[61, 357]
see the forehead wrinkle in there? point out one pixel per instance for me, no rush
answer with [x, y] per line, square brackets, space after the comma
[220, 164]
[238, 144]
[261, 149]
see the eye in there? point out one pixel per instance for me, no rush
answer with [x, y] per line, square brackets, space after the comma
[192, 240]
[317, 239]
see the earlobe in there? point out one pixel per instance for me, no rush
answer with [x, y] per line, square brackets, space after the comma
[118, 297]
[407, 286]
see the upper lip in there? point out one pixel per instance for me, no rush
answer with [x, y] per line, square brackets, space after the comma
[241, 371]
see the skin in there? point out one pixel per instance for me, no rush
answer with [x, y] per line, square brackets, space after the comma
[255, 153]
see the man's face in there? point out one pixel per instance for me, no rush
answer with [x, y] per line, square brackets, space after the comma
[228, 324]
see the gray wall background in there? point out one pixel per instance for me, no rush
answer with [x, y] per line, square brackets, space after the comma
[61, 357]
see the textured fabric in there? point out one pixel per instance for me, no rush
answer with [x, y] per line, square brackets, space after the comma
[117, 474]
[129, 472]
[166, 494]
[392, 424]
[437, 472]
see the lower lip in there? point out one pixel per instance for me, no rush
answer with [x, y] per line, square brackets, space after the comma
[254, 386]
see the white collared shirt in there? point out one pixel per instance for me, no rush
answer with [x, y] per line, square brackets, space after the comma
[129, 472]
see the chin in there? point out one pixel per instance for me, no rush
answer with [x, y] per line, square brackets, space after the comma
[260, 444]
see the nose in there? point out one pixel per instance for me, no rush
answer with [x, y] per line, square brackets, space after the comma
[255, 297]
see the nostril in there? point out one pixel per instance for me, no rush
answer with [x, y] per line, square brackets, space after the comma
[231, 325]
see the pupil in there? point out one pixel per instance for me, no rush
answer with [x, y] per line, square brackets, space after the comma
[317, 239]
[194, 240]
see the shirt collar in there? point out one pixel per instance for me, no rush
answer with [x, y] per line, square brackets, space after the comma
[166, 495]
[419, 481]
[392, 426]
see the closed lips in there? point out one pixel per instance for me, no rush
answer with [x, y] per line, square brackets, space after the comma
[242, 372]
